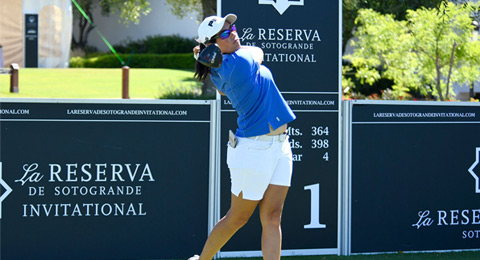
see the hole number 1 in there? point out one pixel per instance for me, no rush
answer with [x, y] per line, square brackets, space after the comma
[314, 207]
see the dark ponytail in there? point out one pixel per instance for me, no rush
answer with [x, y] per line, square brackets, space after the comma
[201, 71]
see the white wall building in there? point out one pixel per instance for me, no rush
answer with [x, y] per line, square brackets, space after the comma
[53, 30]
[158, 22]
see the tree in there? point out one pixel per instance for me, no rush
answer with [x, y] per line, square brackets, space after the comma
[425, 54]
[182, 8]
[128, 10]
[397, 8]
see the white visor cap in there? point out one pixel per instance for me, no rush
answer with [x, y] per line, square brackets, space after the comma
[213, 25]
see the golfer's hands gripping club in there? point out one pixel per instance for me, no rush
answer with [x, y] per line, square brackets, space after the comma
[211, 56]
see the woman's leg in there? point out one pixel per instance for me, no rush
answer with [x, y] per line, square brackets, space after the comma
[271, 207]
[237, 216]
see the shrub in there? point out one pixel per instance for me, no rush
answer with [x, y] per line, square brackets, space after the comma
[182, 93]
[77, 62]
[158, 44]
[194, 93]
[168, 61]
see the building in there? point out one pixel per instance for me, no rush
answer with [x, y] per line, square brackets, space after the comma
[38, 33]
[158, 22]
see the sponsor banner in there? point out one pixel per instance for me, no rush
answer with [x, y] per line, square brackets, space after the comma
[103, 181]
[303, 54]
[415, 176]
[404, 113]
[300, 40]
[314, 102]
[75, 111]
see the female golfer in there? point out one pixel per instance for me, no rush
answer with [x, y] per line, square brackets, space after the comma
[259, 156]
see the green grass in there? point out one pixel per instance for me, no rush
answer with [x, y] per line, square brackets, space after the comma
[97, 83]
[467, 255]
[401, 256]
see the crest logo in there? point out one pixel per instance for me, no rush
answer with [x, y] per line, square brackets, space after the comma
[472, 168]
[281, 5]
[7, 190]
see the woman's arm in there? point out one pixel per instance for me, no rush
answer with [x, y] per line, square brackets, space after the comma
[256, 52]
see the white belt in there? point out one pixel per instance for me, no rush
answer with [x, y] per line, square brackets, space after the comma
[270, 138]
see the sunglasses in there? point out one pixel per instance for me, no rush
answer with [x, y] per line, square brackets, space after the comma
[225, 34]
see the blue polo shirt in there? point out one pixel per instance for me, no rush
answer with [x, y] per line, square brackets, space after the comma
[251, 89]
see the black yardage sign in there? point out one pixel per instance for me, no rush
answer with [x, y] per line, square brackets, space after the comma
[300, 40]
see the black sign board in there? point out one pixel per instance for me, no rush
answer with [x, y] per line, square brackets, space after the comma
[414, 176]
[300, 40]
[31, 40]
[103, 180]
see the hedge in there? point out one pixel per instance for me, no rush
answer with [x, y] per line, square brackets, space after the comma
[166, 61]
[158, 44]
